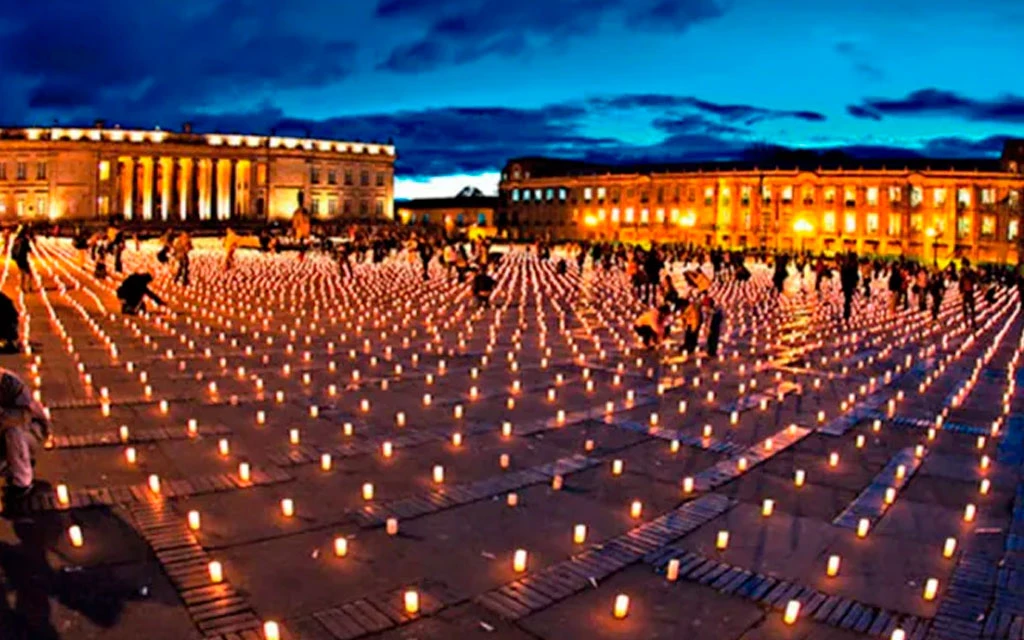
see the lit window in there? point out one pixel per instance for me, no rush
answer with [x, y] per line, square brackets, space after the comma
[332, 207]
[871, 222]
[748, 220]
[562, 194]
[629, 215]
[787, 194]
[588, 193]
[725, 198]
[963, 227]
[850, 223]
[526, 195]
[21, 171]
[314, 206]
[988, 195]
[601, 193]
[40, 171]
[515, 195]
[963, 197]
[939, 222]
[745, 196]
[916, 222]
[766, 194]
[1013, 198]
[850, 197]
[645, 216]
[538, 194]
[895, 194]
[1013, 230]
[872, 196]
[550, 193]
[314, 175]
[808, 197]
[41, 206]
[916, 196]
[895, 225]
[988, 226]
[379, 210]
[615, 215]
[939, 196]
[709, 196]
[659, 216]
[104, 170]
[828, 222]
[481, 219]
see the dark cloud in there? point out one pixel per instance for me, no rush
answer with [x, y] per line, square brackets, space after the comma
[860, 59]
[137, 58]
[746, 114]
[462, 31]
[940, 103]
[861, 112]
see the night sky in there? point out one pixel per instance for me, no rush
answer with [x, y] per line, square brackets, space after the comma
[463, 85]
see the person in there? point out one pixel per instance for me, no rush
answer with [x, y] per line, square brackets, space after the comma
[653, 264]
[301, 229]
[8, 325]
[426, 251]
[20, 249]
[133, 291]
[780, 275]
[670, 295]
[714, 327]
[967, 282]
[896, 286]
[230, 246]
[483, 285]
[848, 276]
[181, 247]
[937, 289]
[691, 324]
[652, 326]
[921, 288]
[24, 424]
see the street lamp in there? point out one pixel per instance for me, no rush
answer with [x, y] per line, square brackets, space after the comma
[932, 233]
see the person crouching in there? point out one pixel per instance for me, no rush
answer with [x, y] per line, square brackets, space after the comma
[24, 424]
[133, 292]
[652, 325]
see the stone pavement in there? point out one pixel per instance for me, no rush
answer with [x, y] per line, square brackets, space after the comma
[284, 446]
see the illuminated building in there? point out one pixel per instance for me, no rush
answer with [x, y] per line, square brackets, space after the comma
[461, 211]
[914, 207]
[85, 173]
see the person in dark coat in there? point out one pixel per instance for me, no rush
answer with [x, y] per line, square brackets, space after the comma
[8, 325]
[21, 247]
[483, 285]
[133, 291]
[937, 289]
[714, 327]
[848, 276]
[779, 278]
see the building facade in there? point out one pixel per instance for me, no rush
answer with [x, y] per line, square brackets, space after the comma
[97, 173]
[456, 212]
[921, 208]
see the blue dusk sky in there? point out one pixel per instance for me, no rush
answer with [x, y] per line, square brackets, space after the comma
[463, 85]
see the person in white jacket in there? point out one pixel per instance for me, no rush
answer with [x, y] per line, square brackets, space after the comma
[24, 424]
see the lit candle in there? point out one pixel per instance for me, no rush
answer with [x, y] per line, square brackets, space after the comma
[391, 526]
[293, 436]
[512, 499]
[271, 631]
[412, 601]
[75, 535]
[767, 507]
[949, 548]
[287, 507]
[621, 609]
[244, 471]
[799, 477]
[222, 447]
[636, 508]
[130, 455]
[438, 474]
[62, 494]
[890, 495]
[457, 439]
[519, 561]
[340, 547]
[616, 467]
[833, 459]
[506, 429]
[833, 566]
[503, 461]
[985, 486]
[792, 611]
[154, 483]
[556, 482]
[216, 572]
[368, 491]
[969, 512]
[688, 484]
[325, 462]
[722, 541]
[579, 534]
[898, 634]
[193, 520]
[862, 527]
[672, 570]
[931, 589]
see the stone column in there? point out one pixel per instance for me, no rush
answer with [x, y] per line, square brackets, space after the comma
[174, 204]
[193, 188]
[233, 188]
[136, 190]
[214, 190]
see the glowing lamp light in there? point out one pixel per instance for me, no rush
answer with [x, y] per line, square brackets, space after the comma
[890, 495]
[579, 534]
[741, 464]
[216, 572]
[722, 540]
[674, 446]
[949, 548]
[557, 482]
[387, 449]
[985, 462]
[901, 472]
[833, 459]
[672, 570]
[340, 547]
[293, 436]
[261, 417]
[504, 460]
[792, 612]
[931, 589]
[621, 608]
[271, 630]
[193, 520]
[832, 570]
[75, 535]
[986, 484]
[898, 634]
[456, 439]
[412, 601]
[519, 561]
[860, 441]
[506, 429]
[122, 432]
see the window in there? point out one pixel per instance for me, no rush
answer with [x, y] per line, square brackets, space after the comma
[314, 175]
[515, 195]
[261, 174]
[21, 171]
[963, 227]
[348, 177]
[347, 208]
[830, 195]
[766, 194]
[615, 215]
[104, 170]
[538, 194]
[644, 195]
[1013, 198]
[314, 206]
[364, 208]
[562, 194]
[939, 222]
[526, 195]
[871, 222]
[745, 196]
[645, 216]
[895, 194]
[828, 222]
[601, 194]
[916, 222]
[41, 206]
[963, 197]
[661, 195]
[332, 177]
[988, 226]
[3, 171]
[939, 197]
[807, 196]
[659, 216]
[850, 223]
[332, 206]
[725, 198]
[379, 209]
[988, 195]
[380, 179]
[481, 219]
[691, 195]
[1013, 230]
[787, 195]
[20, 207]
[588, 193]
[895, 225]
[748, 220]
[40, 171]
[709, 196]
[850, 197]
[629, 215]
[916, 196]
[872, 196]
[550, 194]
